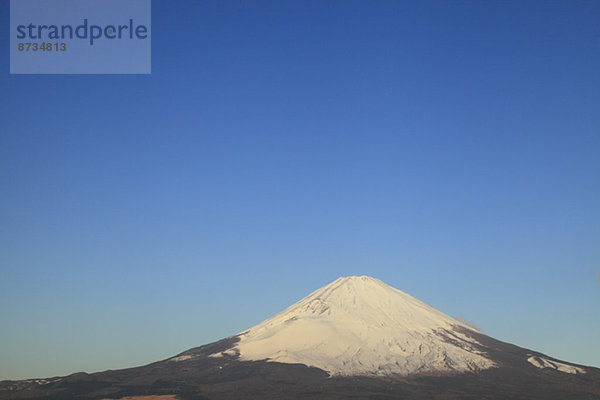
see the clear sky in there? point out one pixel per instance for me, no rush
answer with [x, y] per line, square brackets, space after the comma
[450, 149]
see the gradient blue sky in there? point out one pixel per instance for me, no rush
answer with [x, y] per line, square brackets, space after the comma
[451, 149]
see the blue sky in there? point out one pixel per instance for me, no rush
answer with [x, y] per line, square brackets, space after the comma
[451, 149]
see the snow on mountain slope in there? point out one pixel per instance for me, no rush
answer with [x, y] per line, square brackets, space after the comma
[361, 326]
[542, 362]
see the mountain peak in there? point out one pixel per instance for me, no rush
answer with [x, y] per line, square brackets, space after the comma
[357, 281]
[358, 325]
[364, 278]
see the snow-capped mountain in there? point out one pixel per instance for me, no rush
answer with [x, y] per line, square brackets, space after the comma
[354, 338]
[358, 325]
